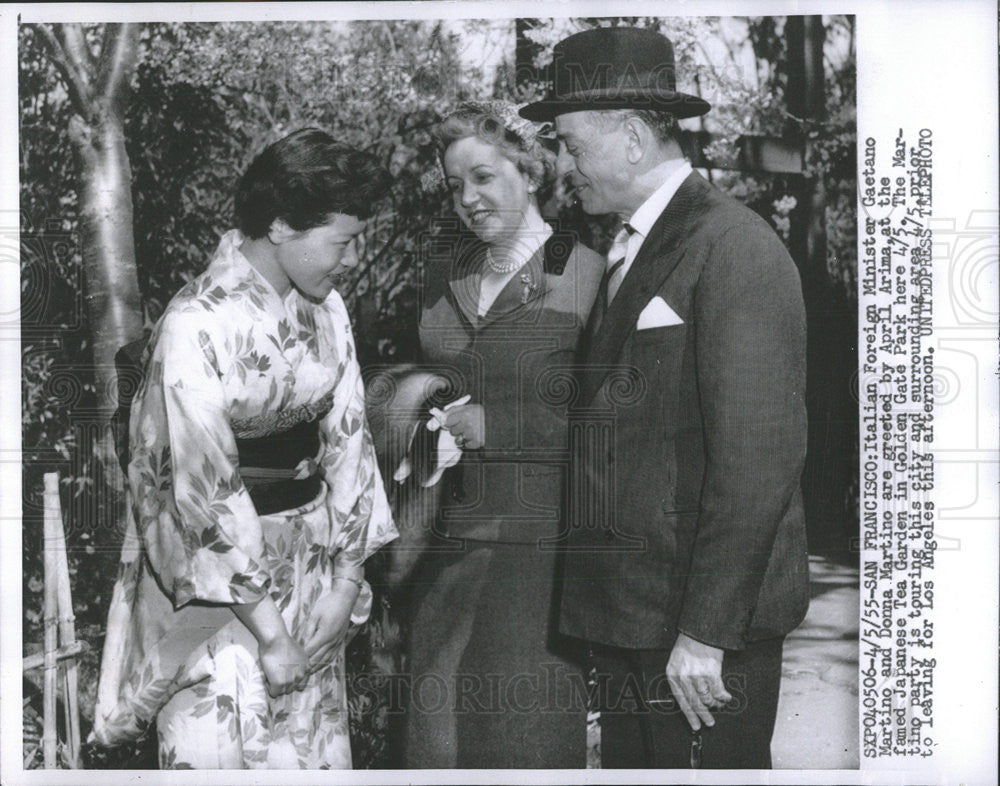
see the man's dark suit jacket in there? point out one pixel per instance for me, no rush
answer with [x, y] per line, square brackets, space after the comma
[689, 440]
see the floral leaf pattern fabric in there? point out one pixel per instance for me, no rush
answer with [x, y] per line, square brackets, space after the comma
[231, 359]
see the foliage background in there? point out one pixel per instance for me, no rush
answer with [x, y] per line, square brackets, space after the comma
[207, 97]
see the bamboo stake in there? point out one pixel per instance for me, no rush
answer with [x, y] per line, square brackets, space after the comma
[52, 516]
[67, 639]
[37, 660]
[32, 752]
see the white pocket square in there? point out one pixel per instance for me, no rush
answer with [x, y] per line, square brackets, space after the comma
[657, 314]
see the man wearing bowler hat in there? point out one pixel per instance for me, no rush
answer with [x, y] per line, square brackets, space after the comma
[685, 563]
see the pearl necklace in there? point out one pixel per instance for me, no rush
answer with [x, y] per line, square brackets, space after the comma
[502, 268]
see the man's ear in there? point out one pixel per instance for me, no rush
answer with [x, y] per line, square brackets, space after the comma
[637, 139]
[279, 232]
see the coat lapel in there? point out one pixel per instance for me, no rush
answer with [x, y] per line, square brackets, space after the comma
[465, 292]
[657, 258]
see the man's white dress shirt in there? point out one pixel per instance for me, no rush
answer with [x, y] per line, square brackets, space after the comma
[641, 222]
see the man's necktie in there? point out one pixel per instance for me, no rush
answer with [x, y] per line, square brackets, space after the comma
[616, 259]
[607, 289]
[609, 275]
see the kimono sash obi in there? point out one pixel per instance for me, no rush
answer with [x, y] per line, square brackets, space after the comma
[279, 470]
[274, 468]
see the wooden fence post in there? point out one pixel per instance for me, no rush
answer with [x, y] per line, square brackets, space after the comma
[67, 640]
[60, 635]
[51, 615]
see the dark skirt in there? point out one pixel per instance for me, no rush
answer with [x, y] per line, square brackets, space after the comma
[492, 684]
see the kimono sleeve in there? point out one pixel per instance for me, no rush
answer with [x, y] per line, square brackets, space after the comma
[359, 511]
[198, 525]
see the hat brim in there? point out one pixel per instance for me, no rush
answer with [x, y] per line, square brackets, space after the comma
[680, 105]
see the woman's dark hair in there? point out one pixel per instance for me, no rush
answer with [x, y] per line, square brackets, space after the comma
[303, 179]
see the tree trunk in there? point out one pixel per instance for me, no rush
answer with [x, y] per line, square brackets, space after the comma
[108, 247]
[525, 73]
[98, 86]
[831, 361]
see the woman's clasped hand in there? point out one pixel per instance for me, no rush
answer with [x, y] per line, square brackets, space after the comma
[285, 664]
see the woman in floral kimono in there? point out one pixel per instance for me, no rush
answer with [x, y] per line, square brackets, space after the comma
[254, 490]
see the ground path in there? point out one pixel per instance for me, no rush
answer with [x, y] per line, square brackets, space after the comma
[817, 724]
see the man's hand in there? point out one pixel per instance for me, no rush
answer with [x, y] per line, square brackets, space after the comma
[694, 672]
[328, 623]
[467, 423]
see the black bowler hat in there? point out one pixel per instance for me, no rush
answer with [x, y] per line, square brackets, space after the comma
[614, 68]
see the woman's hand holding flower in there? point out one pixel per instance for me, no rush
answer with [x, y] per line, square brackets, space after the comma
[467, 423]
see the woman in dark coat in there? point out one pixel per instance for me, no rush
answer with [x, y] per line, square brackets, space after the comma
[492, 683]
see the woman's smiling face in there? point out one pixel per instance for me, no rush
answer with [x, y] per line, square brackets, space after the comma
[490, 193]
[312, 259]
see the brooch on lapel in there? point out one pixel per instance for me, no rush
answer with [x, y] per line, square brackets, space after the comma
[529, 286]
